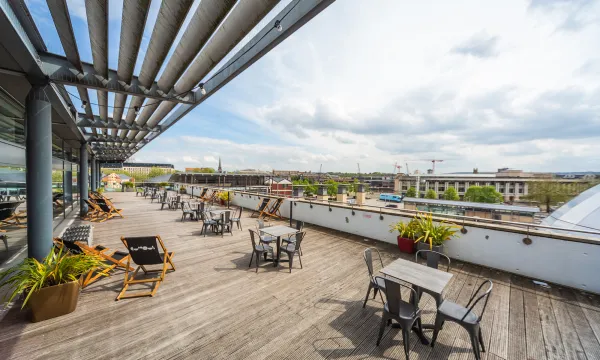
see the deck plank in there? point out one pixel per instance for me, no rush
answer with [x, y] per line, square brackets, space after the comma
[215, 306]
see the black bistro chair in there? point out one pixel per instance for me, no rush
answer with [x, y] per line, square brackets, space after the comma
[405, 313]
[465, 317]
[292, 238]
[432, 260]
[377, 286]
[237, 218]
[224, 223]
[259, 250]
[293, 248]
[186, 210]
[144, 251]
[264, 239]
[207, 222]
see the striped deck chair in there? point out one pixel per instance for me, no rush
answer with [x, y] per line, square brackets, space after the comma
[112, 259]
[144, 251]
[274, 210]
[261, 208]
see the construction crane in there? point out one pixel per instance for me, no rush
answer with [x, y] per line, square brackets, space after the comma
[433, 161]
[320, 172]
[407, 171]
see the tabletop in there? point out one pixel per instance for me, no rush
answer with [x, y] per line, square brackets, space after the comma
[218, 212]
[279, 230]
[417, 274]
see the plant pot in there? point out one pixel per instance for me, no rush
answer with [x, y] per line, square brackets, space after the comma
[423, 246]
[222, 202]
[406, 245]
[54, 301]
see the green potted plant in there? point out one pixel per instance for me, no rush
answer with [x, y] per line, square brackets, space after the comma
[50, 288]
[224, 197]
[434, 234]
[100, 190]
[182, 189]
[408, 232]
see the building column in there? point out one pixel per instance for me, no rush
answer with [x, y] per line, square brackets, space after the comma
[99, 172]
[93, 175]
[83, 179]
[68, 180]
[38, 160]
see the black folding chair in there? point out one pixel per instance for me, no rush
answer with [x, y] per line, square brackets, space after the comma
[403, 312]
[465, 317]
[144, 251]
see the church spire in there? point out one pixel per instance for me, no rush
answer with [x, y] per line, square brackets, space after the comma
[220, 169]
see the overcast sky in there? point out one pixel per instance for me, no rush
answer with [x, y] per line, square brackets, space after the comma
[483, 84]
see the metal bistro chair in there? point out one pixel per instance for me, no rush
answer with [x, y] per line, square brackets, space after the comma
[264, 239]
[207, 222]
[175, 202]
[292, 238]
[404, 312]
[237, 219]
[378, 286]
[465, 317]
[164, 200]
[186, 210]
[224, 222]
[432, 260]
[293, 248]
[259, 250]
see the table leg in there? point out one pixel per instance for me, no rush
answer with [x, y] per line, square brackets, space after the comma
[276, 263]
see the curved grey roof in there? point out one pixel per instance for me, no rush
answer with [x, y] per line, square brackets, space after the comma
[581, 213]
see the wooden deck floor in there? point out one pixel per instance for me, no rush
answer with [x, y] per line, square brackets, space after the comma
[215, 307]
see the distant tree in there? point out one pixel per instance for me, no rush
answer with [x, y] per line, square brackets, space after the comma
[483, 194]
[411, 192]
[451, 194]
[332, 187]
[309, 188]
[431, 194]
[205, 170]
[548, 192]
[57, 176]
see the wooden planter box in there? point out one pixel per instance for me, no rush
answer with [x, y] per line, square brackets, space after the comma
[54, 301]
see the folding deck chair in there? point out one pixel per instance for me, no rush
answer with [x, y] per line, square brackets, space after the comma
[274, 210]
[97, 212]
[112, 259]
[144, 251]
[9, 216]
[203, 193]
[113, 209]
[261, 208]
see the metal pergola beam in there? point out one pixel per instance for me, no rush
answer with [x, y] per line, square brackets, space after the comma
[98, 123]
[107, 139]
[61, 71]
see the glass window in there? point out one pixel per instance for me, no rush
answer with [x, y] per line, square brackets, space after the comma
[12, 130]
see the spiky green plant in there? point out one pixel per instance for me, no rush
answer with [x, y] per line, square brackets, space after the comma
[409, 230]
[434, 233]
[59, 267]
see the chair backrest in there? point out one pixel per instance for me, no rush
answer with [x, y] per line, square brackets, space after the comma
[299, 238]
[252, 237]
[225, 216]
[299, 225]
[276, 206]
[433, 258]
[143, 249]
[477, 298]
[393, 294]
[72, 247]
[239, 213]
[264, 204]
[368, 256]
[260, 224]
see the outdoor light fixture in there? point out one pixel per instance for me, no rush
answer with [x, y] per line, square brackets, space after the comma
[83, 104]
[278, 26]
[137, 110]
[202, 89]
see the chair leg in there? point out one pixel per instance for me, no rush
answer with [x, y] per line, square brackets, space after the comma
[481, 340]
[375, 292]
[381, 327]
[291, 257]
[405, 340]
[439, 321]
[368, 292]
[473, 334]
[300, 258]
[257, 259]
[251, 257]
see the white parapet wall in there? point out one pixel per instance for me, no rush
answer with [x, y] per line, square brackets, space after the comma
[568, 261]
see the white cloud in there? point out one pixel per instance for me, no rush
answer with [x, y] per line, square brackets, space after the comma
[385, 85]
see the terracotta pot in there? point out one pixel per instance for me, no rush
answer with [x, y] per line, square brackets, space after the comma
[406, 245]
[222, 202]
[54, 301]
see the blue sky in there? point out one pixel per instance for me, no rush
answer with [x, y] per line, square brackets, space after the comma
[497, 84]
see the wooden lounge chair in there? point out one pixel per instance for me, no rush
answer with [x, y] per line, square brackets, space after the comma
[144, 251]
[261, 208]
[9, 216]
[112, 259]
[203, 193]
[112, 208]
[96, 213]
[274, 210]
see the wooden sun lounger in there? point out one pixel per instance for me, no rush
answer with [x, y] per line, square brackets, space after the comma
[112, 258]
[274, 210]
[261, 208]
[144, 251]
[16, 218]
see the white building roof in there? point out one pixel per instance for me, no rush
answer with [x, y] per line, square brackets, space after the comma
[581, 213]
